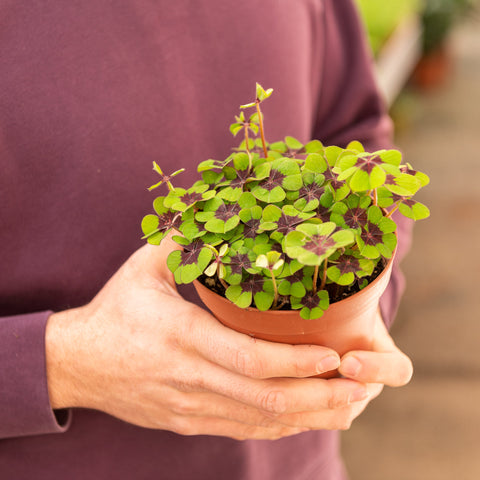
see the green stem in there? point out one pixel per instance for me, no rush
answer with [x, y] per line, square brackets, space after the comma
[391, 212]
[248, 150]
[262, 133]
[223, 282]
[246, 137]
[324, 276]
[315, 279]
[275, 290]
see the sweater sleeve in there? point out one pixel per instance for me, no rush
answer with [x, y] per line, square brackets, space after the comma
[351, 107]
[24, 402]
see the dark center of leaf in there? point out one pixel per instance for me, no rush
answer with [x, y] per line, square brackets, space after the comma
[331, 178]
[275, 180]
[251, 227]
[409, 202]
[253, 284]
[239, 182]
[323, 213]
[372, 235]
[169, 220]
[287, 223]
[355, 217]
[190, 252]
[191, 198]
[224, 212]
[319, 244]
[238, 262]
[311, 192]
[368, 163]
[310, 300]
[348, 265]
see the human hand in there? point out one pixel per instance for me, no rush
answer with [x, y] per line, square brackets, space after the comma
[385, 364]
[139, 352]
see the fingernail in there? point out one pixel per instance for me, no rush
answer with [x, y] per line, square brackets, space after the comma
[358, 395]
[328, 363]
[350, 367]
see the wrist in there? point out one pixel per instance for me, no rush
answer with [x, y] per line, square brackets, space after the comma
[59, 351]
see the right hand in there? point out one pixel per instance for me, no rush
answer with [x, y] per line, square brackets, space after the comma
[140, 352]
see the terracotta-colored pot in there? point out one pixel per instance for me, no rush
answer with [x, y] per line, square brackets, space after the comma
[433, 69]
[346, 325]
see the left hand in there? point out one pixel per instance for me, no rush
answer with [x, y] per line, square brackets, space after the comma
[384, 365]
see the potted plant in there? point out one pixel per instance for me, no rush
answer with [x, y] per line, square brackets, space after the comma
[280, 238]
[438, 18]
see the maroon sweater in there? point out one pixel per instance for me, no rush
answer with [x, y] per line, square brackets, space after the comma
[90, 94]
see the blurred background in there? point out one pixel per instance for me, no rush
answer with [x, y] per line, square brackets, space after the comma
[428, 64]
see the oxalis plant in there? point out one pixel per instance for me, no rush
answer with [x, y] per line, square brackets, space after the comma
[285, 225]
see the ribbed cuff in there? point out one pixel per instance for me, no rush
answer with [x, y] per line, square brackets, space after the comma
[24, 402]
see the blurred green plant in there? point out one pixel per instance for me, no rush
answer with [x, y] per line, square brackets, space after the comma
[438, 19]
[381, 18]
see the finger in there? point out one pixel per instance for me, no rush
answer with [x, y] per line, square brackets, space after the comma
[278, 396]
[230, 428]
[256, 358]
[390, 368]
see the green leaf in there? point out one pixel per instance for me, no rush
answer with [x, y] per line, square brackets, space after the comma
[360, 181]
[314, 146]
[235, 128]
[241, 161]
[293, 143]
[215, 225]
[277, 194]
[173, 260]
[230, 194]
[261, 93]
[334, 274]
[247, 200]
[271, 213]
[355, 145]
[149, 224]
[263, 300]
[377, 177]
[392, 157]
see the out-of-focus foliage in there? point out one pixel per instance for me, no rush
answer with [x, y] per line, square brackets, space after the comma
[381, 17]
[438, 18]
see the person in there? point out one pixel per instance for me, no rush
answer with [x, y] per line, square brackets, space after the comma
[107, 371]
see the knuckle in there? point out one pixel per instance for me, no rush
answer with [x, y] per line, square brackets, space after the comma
[183, 406]
[246, 363]
[337, 399]
[272, 401]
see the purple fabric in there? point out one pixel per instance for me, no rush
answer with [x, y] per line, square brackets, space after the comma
[90, 94]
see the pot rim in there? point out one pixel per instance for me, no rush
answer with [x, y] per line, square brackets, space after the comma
[351, 298]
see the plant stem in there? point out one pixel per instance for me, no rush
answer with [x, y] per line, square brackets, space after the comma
[262, 133]
[391, 212]
[248, 150]
[275, 298]
[315, 279]
[375, 197]
[246, 138]
[223, 282]
[324, 276]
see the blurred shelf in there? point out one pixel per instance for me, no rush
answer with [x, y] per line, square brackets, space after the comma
[398, 57]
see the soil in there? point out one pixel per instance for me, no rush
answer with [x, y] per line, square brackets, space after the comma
[335, 292]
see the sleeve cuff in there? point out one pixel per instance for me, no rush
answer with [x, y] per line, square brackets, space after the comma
[24, 401]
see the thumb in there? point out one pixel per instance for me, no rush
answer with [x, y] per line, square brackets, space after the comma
[152, 259]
